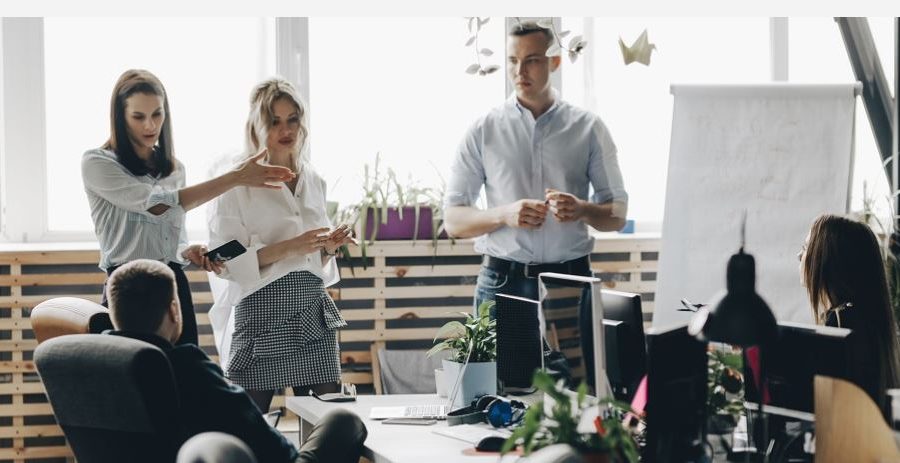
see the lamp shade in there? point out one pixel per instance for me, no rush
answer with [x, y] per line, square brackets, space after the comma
[741, 317]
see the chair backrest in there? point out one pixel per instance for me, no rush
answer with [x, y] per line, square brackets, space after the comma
[404, 371]
[68, 315]
[849, 426]
[114, 397]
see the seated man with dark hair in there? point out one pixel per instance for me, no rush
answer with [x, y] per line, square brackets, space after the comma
[143, 304]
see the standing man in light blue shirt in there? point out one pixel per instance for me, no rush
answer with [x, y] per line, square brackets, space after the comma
[548, 169]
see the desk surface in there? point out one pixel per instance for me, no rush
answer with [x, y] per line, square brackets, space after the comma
[397, 443]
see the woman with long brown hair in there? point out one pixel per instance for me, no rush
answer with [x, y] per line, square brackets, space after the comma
[842, 268]
[283, 320]
[137, 193]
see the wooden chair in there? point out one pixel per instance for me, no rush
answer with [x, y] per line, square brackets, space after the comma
[849, 426]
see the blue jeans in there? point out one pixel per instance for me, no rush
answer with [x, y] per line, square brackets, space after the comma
[492, 282]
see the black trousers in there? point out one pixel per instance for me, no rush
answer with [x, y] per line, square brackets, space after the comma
[337, 438]
[189, 319]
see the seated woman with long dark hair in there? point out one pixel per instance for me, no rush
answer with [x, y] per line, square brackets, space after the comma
[842, 268]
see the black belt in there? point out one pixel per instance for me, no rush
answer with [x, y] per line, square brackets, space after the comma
[579, 266]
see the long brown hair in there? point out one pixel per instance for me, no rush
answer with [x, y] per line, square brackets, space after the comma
[163, 158]
[843, 264]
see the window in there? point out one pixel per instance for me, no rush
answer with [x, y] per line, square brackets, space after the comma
[208, 67]
[817, 54]
[634, 100]
[395, 86]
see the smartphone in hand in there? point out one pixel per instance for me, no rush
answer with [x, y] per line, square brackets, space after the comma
[226, 252]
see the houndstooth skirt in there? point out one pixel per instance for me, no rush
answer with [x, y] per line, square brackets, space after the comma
[284, 335]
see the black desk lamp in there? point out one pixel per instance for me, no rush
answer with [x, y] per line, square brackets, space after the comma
[741, 317]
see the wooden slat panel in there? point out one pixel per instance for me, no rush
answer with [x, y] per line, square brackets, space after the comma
[21, 388]
[50, 430]
[378, 292]
[25, 410]
[19, 366]
[35, 452]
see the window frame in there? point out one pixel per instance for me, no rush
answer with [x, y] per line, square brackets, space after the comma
[23, 138]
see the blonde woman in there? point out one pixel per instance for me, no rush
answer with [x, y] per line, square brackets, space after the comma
[284, 322]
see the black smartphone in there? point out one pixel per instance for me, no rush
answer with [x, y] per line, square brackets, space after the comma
[226, 252]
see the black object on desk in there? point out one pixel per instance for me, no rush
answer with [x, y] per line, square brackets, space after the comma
[626, 355]
[676, 395]
[519, 351]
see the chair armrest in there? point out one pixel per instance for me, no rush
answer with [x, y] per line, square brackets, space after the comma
[68, 315]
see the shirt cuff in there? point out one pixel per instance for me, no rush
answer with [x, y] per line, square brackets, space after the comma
[244, 269]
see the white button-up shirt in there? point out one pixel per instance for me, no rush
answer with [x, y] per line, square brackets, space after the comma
[258, 217]
[515, 156]
[119, 203]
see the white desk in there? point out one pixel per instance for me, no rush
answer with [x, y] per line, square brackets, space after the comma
[389, 443]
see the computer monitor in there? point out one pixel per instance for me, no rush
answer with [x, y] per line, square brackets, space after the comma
[676, 395]
[626, 354]
[519, 351]
[571, 322]
[799, 353]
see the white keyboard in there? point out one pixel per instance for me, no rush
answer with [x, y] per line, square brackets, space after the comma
[425, 411]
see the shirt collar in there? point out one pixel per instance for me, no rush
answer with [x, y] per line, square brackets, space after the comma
[150, 338]
[513, 103]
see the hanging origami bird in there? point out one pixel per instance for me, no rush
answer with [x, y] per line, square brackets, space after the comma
[639, 51]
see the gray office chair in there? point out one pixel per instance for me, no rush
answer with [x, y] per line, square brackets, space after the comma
[215, 447]
[114, 397]
[404, 371]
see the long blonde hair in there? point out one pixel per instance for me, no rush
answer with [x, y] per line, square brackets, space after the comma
[261, 116]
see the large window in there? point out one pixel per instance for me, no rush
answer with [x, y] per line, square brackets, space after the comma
[817, 54]
[396, 87]
[208, 67]
[634, 100]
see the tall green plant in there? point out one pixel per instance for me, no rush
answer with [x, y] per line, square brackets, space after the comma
[476, 336]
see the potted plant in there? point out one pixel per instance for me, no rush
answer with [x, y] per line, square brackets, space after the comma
[474, 344]
[391, 211]
[608, 440]
[725, 388]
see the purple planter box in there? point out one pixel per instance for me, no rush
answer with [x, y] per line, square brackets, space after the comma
[396, 229]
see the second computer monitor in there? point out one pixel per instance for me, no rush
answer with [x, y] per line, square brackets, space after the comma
[799, 353]
[626, 354]
[572, 324]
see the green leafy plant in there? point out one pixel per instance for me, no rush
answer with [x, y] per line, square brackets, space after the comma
[382, 191]
[476, 336]
[725, 383]
[560, 426]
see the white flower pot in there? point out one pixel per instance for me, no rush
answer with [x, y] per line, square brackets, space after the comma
[480, 378]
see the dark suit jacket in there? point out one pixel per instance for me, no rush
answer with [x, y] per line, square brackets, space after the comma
[210, 403]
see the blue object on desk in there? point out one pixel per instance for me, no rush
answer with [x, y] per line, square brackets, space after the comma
[629, 226]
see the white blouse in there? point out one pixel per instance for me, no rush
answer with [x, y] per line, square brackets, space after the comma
[258, 217]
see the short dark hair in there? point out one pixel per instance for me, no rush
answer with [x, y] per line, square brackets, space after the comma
[523, 28]
[131, 82]
[139, 294]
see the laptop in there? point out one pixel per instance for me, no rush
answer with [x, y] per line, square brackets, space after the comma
[422, 411]
[425, 412]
